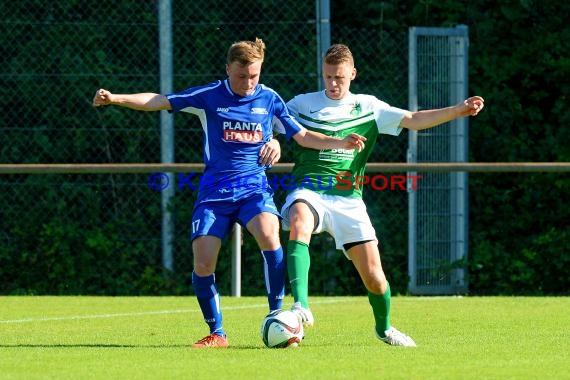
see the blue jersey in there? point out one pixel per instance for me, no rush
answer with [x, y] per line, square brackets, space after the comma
[234, 130]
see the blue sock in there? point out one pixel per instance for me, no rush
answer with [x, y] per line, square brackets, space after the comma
[274, 271]
[209, 300]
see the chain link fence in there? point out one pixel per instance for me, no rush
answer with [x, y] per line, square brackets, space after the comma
[101, 233]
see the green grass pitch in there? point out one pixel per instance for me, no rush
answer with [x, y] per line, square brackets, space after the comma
[150, 338]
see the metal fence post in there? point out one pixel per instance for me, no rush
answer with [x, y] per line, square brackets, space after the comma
[323, 35]
[236, 261]
[166, 128]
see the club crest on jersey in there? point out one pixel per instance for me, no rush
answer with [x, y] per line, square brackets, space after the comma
[247, 132]
[356, 109]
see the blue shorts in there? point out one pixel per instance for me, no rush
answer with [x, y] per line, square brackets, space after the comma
[218, 218]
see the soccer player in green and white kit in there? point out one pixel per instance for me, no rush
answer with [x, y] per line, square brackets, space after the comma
[336, 208]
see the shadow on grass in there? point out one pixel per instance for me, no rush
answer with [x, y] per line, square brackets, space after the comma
[110, 345]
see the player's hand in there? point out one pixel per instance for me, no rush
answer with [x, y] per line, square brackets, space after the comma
[102, 98]
[472, 106]
[354, 141]
[270, 153]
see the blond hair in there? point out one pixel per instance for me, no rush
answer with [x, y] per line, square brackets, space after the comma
[337, 54]
[246, 52]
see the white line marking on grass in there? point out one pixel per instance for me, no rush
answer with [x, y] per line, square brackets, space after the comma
[158, 312]
[95, 316]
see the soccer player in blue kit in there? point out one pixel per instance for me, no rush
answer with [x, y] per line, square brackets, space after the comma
[237, 116]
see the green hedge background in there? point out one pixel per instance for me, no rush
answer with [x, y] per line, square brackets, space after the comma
[519, 223]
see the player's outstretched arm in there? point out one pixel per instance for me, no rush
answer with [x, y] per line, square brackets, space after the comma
[430, 118]
[316, 140]
[146, 101]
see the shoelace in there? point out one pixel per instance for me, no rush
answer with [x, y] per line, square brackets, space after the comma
[395, 335]
[209, 340]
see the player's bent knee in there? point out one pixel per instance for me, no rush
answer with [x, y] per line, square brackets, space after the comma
[267, 238]
[376, 284]
[301, 230]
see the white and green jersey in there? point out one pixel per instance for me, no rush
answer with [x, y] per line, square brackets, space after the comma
[333, 171]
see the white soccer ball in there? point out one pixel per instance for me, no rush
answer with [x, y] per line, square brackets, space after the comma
[281, 329]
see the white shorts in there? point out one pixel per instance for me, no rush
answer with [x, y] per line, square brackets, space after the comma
[344, 218]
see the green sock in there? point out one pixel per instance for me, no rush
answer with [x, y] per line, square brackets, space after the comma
[381, 309]
[298, 263]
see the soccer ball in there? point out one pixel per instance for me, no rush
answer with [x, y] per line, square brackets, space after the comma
[281, 329]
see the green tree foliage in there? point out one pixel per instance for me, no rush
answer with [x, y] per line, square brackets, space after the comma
[100, 234]
[519, 62]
